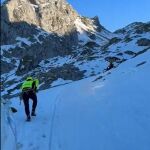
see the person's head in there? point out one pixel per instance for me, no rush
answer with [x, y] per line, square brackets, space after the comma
[29, 79]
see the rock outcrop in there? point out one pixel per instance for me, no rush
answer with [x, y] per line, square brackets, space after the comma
[50, 15]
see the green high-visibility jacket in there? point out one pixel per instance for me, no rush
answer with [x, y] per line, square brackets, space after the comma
[29, 84]
[36, 82]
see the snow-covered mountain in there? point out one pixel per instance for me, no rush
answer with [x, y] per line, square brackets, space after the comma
[51, 41]
[81, 105]
[108, 111]
[38, 35]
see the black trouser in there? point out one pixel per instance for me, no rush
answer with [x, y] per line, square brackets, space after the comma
[26, 96]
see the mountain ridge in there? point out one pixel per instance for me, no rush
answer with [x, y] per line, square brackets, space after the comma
[80, 48]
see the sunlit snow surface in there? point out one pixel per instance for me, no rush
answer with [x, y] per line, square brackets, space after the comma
[108, 114]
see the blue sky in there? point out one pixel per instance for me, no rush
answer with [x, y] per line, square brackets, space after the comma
[114, 14]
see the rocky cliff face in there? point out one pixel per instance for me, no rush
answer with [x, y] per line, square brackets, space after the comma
[47, 39]
[38, 29]
[50, 15]
[41, 29]
[23, 17]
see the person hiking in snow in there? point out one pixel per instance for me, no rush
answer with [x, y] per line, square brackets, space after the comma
[29, 88]
[110, 66]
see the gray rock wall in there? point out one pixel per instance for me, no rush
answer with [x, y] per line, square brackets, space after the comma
[30, 18]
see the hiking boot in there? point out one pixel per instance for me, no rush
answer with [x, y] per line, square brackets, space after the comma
[33, 114]
[28, 118]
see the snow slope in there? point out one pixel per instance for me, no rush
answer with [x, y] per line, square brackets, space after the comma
[93, 54]
[8, 129]
[111, 113]
[83, 29]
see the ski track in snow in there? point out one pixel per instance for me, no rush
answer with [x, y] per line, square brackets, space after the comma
[33, 135]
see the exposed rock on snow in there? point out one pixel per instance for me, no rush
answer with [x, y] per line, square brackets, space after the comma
[143, 42]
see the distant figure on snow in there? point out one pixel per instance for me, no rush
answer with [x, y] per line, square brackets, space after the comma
[29, 89]
[111, 65]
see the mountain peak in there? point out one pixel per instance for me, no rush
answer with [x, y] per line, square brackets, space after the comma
[51, 15]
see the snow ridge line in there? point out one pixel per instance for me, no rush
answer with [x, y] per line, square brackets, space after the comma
[57, 100]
